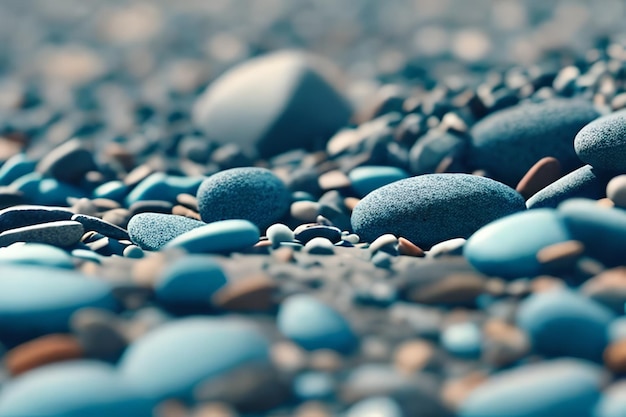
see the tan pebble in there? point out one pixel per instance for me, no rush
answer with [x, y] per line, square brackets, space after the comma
[214, 409]
[455, 391]
[413, 356]
[306, 211]
[284, 254]
[408, 248]
[545, 284]
[180, 210]
[454, 288]
[606, 203]
[333, 180]
[42, 351]
[561, 255]
[325, 360]
[188, 200]
[254, 293]
[608, 287]
[138, 174]
[8, 148]
[288, 356]
[171, 408]
[312, 409]
[104, 204]
[504, 343]
[351, 202]
[118, 217]
[546, 171]
[616, 190]
[145, 271]
[495, 287]
[615, 356]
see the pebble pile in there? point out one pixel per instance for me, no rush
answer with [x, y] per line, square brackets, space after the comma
[266, 220]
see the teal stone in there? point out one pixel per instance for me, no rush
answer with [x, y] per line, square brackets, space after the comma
[315, 325]
[508, 247]
[218, 237]
[557, 388]
[366, 179]
[602, 143]
[15, 167]
[72, 389]
[112, 190]
[463, 340]
[565, 323]
[311, 386]
[190, 281]
[160, 186]
[376, 407]
[613, 401]
[35, 300]
[35, 254]
[173, 360]
[151, 231]
[46, 191]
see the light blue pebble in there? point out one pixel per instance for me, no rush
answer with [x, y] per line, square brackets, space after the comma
[36, 254]
[508, 247]
[565, 323]
[87, 255]
[218, 237]
[15, 167]
[463, 340]
[366, 179]
[112, 190]
[133, 252]
[557, 388]
[314, 325]
[190, 281]
[72, 389]
[46, 191]
[174, 359]
[278, 233]
[311, 386]
[375, 407]
[319, 246]
[613, 401]
[160, 186]
[617, 329]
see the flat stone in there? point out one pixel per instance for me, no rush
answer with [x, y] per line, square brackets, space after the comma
[19, 216]
[91, 223]
[217, 237]
[546, 171]
[63, 233]
[42, 351]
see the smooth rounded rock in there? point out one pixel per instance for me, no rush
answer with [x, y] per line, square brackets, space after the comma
[95, 224]
[218, 237]
[509, 142]
[463, 340]
[558, 388]
[36, 254]
[68, 162]
[273, 103]
[508, 247]
[151, 231]
[160, 186]
[27, 215]
[314, 325]
[278, 233]
[63, 233]
[249, 193]
[616, 191]
[365, 179]
[429, 209]
[176, 359]
[564, 323]
[602, 143]
[430, 150]
[546, 171]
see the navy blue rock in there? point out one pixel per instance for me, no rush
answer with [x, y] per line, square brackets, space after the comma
[73, 389]
[249, 193]
[585, 182]
[565, 323]
[151, 231]
[429, 209]
[602, 143]
[508, 247]
[558, 388]
[509, 142]
[314, 325]
[176, 359]
[274, 103]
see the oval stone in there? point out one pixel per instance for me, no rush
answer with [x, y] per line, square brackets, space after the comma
[36, 254]
[366, 179]
[218, 237]
[151, 231]
[429, 209]
[602, 143]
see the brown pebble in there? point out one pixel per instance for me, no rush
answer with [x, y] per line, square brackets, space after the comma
[213, 409]
[188, 200]
[288, 357]
[561, 255]
[408, 248]
[325, 360]
[42, 351]
[455, 391]
[171, 408]
[413, 356]
[608, 287]
[138, 174]
[284, 254]
[180, 210]
[254, 293]
[350, 203]
[615, 357]
[118, 217]
[504, 343]
[333, 180]
[546, 171]
[456, 288]
[545, 284]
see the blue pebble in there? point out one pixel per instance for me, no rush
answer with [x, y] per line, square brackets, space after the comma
[218, 237]
[160, 186]
[557, 388]
[508, 247]
[151, 231]
[15, 167]
[190, 281]
[376, 407]
[601, 230]
[585, 182]
[173, 360]
[46, 191]
[565, 323]
[429, 209]
[249, 193]
[20, 216]
[314, 325]
[429, 150]
[36, 254]
[72, 389]
[313, 386]
[602, 143]
[112, 190]
[613, 401]
[366, 179]
[463, 340]
[38, 300]
[509, 142]
[617, 329]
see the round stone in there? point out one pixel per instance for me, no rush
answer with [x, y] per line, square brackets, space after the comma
[160, 186]
[151, 231]
[36, 254]
[429, 209]
[463, 340]
[616, 191]
[14, 217]
[602, 143]
[366, 179]
[218, 237]
[278, 233]
[249, 193]
[509, 142]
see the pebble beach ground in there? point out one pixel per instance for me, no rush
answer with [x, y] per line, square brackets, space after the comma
[306, 208]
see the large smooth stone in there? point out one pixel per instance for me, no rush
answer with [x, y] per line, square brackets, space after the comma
[602, 143]
[558, 388]
[151, 231]
[274, 103]
[508, 247]
[72, 389]
[249, 193]
[509, 142]
[315, 325]
[565, 323]
[429, 209]
[218, 237]
[176, 359]
[35, 300]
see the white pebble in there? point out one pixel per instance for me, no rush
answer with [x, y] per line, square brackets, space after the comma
[320, 246]
[616, 191]
[278, 233]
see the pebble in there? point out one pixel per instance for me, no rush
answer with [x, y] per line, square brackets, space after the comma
[68, 162]
[16, 167]
[608, 288]
[254, 293]
[365, 179]
[249, 193]
[151, 231]
[386, 243]
[602, 143]
[565, 323]
[546, 171]
[432, 149]
[319, 246]
[450, 247]
[420, 208]
[295, 104]
[376, 406]
[63, 233]
[36, 254]
[408, 248]
[160, 186]
[278, 233]
[616, 191]
[463, 340]
[305, 211]
[309, 231]
[217, 237]
[315, 325]
[312, 386]
[95, 224]
[42, 351]
[20, 216]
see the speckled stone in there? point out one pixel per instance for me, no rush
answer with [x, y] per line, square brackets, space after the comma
[151, 231]
[421, 208]
[509, 142]
[249, 193]
[101, 226]
[602, 143]
[14, 217]
[63, 233]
